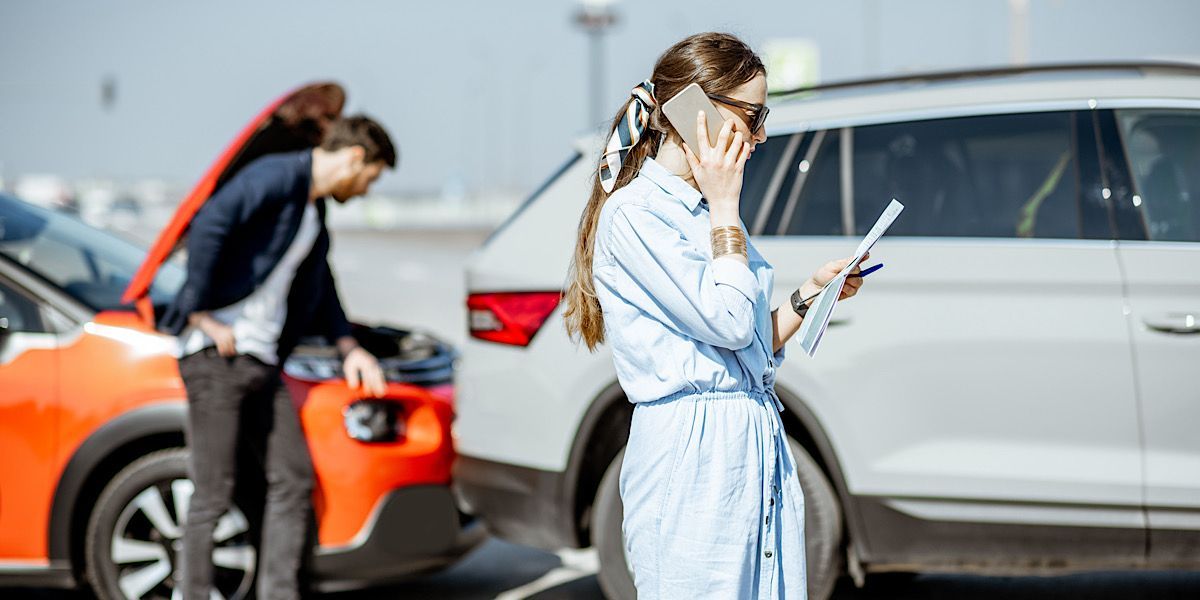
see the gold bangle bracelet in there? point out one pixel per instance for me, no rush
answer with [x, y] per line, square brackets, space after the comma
[728, 239]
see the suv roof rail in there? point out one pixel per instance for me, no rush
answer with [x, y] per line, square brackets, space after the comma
[933, 76]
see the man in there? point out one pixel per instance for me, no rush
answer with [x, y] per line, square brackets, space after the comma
[258, 279]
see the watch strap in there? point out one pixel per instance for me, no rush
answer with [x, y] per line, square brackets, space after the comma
[798, 304]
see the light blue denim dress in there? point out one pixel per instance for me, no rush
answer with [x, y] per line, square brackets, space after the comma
[713, 506]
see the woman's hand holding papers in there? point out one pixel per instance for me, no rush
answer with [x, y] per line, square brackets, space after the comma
[786, 322]
[828, 272]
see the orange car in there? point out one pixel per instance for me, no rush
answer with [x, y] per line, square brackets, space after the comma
[93, 478]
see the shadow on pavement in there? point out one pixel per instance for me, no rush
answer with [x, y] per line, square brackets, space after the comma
[487, 572]
[1167, 585]
[498, 567]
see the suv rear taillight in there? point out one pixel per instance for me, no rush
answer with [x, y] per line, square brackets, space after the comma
[509, 317]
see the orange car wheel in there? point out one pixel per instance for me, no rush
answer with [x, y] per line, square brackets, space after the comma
[135, 535]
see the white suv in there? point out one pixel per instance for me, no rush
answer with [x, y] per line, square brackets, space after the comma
[1015, 392]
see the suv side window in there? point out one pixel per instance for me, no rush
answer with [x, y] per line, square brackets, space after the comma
[1163, 147]
[990, 176]
[797, 189]
[18, 312]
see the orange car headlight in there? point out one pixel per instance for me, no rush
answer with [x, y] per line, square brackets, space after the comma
[374, 421]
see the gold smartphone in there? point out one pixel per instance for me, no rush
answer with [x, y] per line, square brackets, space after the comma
[681, 111]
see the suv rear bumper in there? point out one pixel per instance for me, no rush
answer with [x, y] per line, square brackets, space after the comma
[414, 529]
[523, 505]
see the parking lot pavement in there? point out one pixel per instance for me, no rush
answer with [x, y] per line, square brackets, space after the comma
[509, 572]
[1172, 585]
[502, 571]
[496, 570]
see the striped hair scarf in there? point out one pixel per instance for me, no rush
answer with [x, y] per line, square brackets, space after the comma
[629, 130]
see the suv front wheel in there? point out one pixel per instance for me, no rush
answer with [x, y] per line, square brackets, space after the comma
[822, 531]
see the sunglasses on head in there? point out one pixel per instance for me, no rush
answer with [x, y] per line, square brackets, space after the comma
[756, 114]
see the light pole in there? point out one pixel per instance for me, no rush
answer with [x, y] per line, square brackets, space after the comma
[108, 92]
[596, 16]
[1018, 32]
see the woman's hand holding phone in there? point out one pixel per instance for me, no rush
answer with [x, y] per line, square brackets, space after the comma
[718, 170]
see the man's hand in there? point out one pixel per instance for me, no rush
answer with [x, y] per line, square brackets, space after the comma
[363, 372]
[220, 333]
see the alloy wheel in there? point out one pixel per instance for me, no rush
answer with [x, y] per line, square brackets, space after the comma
[147, 544]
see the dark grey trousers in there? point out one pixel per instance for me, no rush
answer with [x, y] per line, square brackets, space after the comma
[236, 406]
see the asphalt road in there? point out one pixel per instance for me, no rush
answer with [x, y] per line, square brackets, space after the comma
[507, 572]
[502, 571]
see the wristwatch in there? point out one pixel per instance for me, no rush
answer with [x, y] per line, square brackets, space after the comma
[798, 304]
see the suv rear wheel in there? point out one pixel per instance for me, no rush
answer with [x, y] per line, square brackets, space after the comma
[135, 534]
[822, 532]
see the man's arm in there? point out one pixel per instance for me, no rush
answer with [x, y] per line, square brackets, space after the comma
[337, 327]
[207, 235]
[209, 232]
[360, 367]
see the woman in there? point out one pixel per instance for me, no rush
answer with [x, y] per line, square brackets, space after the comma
[663, 270]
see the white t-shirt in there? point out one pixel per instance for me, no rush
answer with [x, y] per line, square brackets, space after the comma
[257, 319]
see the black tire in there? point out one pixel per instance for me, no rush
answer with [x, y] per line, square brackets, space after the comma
[891, 583]
[822, 532]
[607, 514]
[822, 525]
[121, 523]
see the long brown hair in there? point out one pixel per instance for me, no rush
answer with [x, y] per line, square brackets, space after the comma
[719, 63]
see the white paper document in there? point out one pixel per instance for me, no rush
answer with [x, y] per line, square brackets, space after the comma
[817, 318]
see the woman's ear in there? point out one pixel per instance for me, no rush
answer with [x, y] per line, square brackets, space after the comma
[659, 122]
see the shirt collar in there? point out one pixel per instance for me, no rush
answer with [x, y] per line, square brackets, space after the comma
[671, 184]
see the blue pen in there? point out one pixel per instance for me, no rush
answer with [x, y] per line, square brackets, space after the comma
[866, 271]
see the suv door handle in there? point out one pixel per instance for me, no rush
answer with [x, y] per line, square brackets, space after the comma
[1176, 322]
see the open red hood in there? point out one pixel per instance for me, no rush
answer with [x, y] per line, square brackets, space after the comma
[294, 121]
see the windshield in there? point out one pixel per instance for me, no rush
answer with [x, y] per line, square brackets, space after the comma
[91, 265]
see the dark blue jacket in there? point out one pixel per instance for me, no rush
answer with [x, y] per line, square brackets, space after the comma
[240, 234]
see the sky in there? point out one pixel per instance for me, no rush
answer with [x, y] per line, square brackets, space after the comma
[478, 95]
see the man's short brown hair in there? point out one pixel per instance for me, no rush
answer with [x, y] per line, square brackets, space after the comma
[360, 130]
